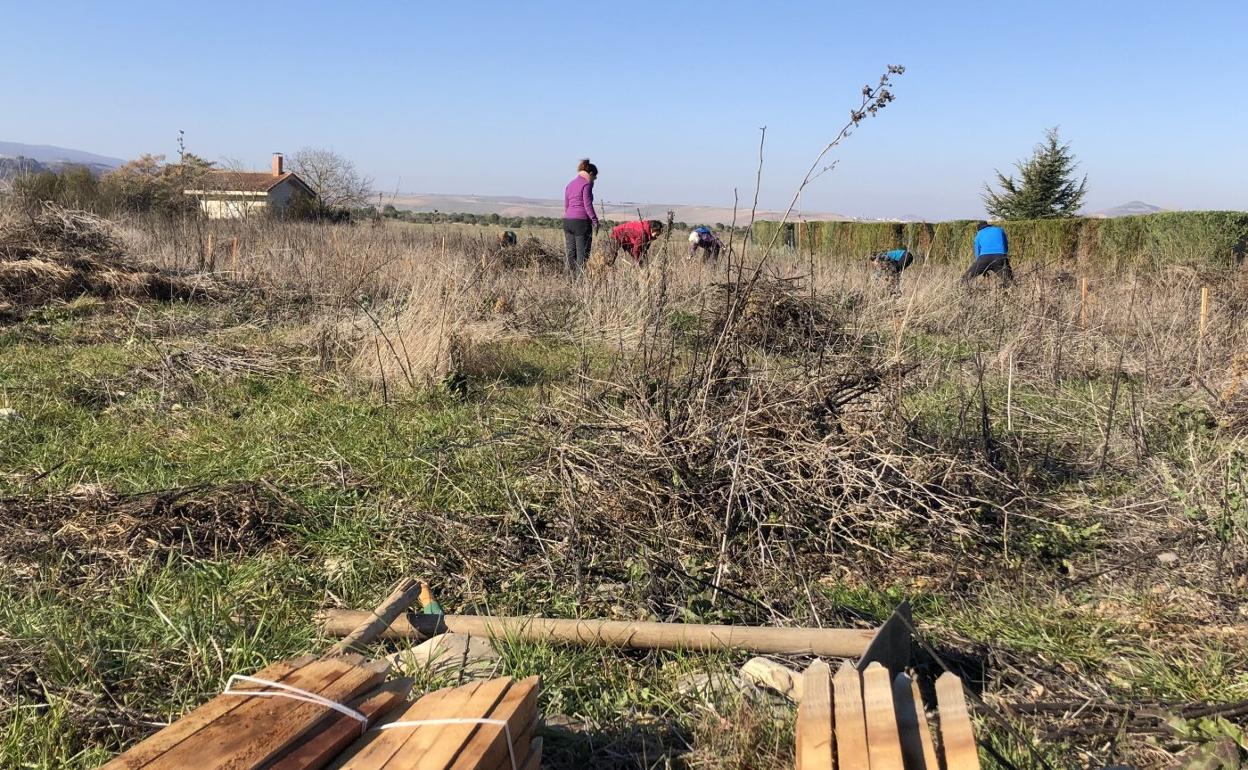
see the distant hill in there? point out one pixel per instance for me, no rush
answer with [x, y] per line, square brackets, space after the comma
[1131, 209]
[511, 206]
[54, 156]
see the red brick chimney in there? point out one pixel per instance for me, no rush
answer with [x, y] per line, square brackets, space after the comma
[277, 164]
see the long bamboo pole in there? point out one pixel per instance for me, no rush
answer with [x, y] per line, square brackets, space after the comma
[832, 642]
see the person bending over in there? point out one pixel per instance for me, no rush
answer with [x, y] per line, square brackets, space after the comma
[635, 238]
[889, 264]
[709, 242]
[992, 254]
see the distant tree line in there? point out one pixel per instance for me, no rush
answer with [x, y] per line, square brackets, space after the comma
[498, 220]
[144, 185]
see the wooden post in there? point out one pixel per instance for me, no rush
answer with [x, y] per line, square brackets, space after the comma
[234, 255]
[208, 256]
[1204, 310]
[1083, 301]
[1204, 322]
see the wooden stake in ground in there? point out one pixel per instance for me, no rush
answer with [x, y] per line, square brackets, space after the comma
[957, 738]
[1204, 322]
[380, 619]
[851, 728]
[1083, 302]
[814, 719]
[234, 255]
[209, 257]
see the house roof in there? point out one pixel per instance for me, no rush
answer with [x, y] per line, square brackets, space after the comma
[246, 181]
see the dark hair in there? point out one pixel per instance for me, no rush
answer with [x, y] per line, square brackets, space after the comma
[656, 226]
[980, 225]
[587, 167]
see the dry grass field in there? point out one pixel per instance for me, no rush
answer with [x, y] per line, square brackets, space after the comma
[207, 443]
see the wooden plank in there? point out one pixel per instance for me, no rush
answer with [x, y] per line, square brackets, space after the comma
[851, 727]
[957, 737]
[814, 719]
[377, 747]
[245, 720]
[828, 642]
[883, 744]
[488, 747]
[534, 760]
[154, 746]
[262, 727]
[421, 739]
[916, 736]
[525, 739]
[441, 744]
[321, 748]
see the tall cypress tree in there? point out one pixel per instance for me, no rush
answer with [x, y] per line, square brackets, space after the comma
[1047, 187]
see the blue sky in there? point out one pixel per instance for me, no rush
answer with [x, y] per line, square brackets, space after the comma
[503, 98]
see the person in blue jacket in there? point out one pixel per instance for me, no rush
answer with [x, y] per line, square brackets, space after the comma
[889, 264]
[992, 254]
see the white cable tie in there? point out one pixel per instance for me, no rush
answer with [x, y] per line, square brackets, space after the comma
[293, 693]
[511, 748]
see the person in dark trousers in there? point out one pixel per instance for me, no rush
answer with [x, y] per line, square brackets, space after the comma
[709, 242]
[889, 264]
[634, 238]
[580, 221]
[992, 254]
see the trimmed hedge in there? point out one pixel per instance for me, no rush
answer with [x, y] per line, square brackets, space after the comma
[1209, 238]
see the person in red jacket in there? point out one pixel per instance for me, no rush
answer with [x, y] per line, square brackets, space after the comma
[635, 238]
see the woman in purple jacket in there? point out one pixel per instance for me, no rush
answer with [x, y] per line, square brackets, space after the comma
[579, 218]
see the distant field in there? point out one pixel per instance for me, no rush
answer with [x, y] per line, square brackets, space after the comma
[553, 207]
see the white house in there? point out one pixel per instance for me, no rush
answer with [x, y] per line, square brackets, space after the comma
[227, 194]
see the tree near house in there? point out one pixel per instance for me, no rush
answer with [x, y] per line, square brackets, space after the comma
[1047, 187]
[149, 184]
[334, 179]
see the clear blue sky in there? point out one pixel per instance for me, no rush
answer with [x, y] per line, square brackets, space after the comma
[502, 98]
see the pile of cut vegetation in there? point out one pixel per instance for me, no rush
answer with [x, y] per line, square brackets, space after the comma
[772, 314]
[529, 253]
[89, 532]
[763, 475]
[60, 254]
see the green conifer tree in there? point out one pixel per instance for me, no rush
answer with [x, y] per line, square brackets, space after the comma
[1047, 187]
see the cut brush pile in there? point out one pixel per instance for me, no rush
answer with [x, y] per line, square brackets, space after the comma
[91, 532]
[60, 254]
[747, 463]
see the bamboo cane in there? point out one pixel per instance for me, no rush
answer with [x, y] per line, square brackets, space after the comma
[831, 642]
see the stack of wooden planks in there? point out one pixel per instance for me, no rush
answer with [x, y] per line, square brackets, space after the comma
[875, 721]
[487, 725]
[313, 712]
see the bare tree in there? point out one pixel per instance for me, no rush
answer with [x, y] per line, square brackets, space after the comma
[334, 178]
